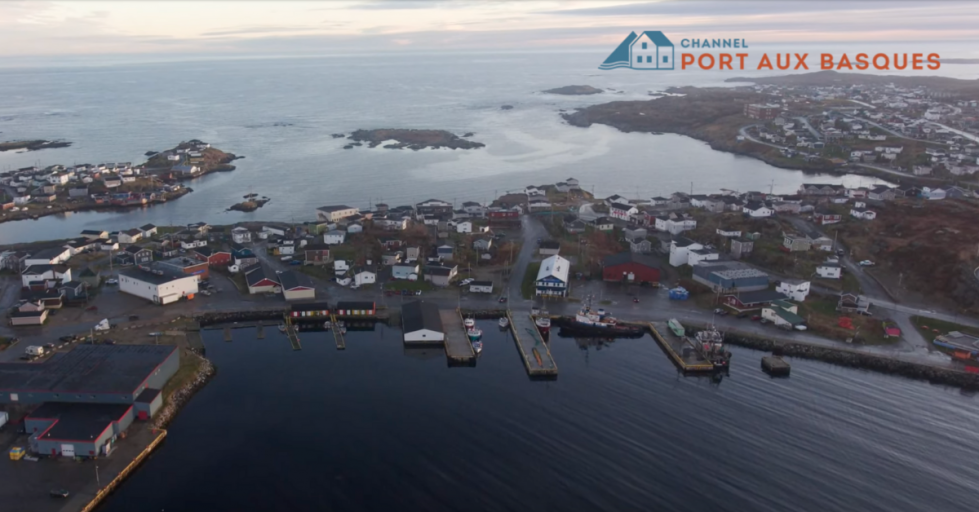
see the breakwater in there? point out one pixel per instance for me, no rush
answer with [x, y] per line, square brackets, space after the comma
[239, 316]
[182, 395]
[861, 360]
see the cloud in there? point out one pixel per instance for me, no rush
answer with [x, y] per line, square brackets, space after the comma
[266, 30]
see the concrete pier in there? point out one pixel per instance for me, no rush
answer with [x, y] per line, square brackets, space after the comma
[292, 334]
[775, 366]
[337, 333]
[457, 346]
[536, 355]
[680, 350]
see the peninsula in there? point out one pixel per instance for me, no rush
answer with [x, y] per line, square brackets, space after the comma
[831, 78]
[411, 139]
[33, 145]
[574, 90]
[33, 192]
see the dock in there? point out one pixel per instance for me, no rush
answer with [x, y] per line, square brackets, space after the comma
[337, 334]
[457, 346]
[292, 335]
[536, 355]
[775, 366]
[681, 351]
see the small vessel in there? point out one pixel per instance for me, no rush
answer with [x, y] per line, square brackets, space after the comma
[282, 327]
[477, 346]
[710, 345]
[504, 322]
[543, 322]
[598, 322]
[474, 333]
[327, 325]
[469, 323]
[676, 327]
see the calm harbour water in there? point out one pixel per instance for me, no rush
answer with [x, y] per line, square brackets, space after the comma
[279, 114]
[378, 428]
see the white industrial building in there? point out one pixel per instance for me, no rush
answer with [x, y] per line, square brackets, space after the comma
[157, 286]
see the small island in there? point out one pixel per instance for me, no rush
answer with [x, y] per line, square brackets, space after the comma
[251, 203]
[411, 139]
[574, 90]
[33, 145]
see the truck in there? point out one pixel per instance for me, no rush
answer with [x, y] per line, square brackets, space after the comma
[3, 419]
[34, 351]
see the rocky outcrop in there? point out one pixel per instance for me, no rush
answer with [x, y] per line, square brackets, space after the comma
[33, 145]
[574, 90]
[412, 139]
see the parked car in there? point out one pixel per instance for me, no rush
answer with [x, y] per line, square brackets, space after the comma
[756, 318]
[742, 315]
[720, 311]
[867, 263]
[111, 281]
[635, 300]
[502, 300]
[295, 262]
[58, 493]
[765, 321]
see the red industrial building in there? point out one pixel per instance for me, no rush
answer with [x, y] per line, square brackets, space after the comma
[213, 257]
[630, 267]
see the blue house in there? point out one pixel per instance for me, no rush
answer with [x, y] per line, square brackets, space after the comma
[649, 50]
[552, 278]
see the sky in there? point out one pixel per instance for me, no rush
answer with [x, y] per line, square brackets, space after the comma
[33, 28]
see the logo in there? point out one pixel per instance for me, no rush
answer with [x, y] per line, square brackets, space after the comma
[649, 51]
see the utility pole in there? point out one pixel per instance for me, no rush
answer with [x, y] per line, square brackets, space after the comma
[771, 187]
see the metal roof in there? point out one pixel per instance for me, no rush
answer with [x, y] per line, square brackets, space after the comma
[419, 315]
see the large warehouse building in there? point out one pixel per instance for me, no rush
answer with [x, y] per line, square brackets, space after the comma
[157, 286]
[630, 267]
[422, 323]
[90, 395]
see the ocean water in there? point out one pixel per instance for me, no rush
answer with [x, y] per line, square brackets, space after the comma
[279, 114]
[379, 428]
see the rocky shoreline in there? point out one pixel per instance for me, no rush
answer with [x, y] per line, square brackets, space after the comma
[251, 203]
[861, 360]
[181, 396]
[574, 90]
[37, 214]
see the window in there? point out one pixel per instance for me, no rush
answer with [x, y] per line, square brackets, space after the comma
[649, 59]
[644, 46]
[666, 60]
[639, 59]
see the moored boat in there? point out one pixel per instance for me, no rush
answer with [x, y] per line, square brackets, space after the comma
[504, 322]
[598, 322]
[474, 333]
[477, 346]
[676, 327]
[543, 324]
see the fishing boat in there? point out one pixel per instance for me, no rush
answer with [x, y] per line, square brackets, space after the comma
[477, 346]
[469, 323]
[543, 322]
[504, 322]
[676, 327]
[710, 345]
[474, 333]
[598, 322]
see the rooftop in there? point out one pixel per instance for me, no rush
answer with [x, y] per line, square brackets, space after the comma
[159, 277]
[291, 280]
[759, 296]
[87, 369]
[629, 257]
[419, 315]
[78, 422]
[334, 208]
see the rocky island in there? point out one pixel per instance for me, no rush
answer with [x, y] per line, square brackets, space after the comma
[411, 139]
[251, 203]
[574, 90]
[33, 145]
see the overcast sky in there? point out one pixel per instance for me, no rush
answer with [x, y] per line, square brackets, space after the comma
[134, 27]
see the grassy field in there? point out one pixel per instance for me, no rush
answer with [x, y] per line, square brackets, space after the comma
[931, 327]
[823, 319]
[527, 283]
[318, 271]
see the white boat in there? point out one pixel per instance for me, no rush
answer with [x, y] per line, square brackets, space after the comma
[477, 346]
[469, 323]
[504, 322]
[474, 333]
[282, 327]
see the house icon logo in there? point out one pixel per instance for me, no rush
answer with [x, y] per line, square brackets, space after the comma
[650, 50]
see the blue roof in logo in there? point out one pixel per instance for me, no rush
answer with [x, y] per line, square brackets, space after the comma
[620, 57]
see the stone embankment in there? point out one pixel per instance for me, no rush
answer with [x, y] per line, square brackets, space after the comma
[862, 360]
[239, 316]
[180, 397]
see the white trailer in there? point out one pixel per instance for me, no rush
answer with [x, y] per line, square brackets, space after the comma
[35, 351]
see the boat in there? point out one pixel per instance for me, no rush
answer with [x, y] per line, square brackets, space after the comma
[477, 346]
[710, 345]
[598, 322]
[282, 327]
[543, 322]
[504, 322]
[474, 333]
[327, 325]
[676, 327]
[469, 323]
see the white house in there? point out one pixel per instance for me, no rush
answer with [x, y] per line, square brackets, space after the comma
[364, 277]
[795, 289]
[333, 213]
[677, 226]
[481, 287]
[334, 237]
[680, 248]
[622, 211]
[49, 256]
[651, 50]
[241, 235]
[464, 227]
[38, 273]
[157, 288]
[552, 278]
[757, 209]
[355, 228]
[695, 256]
[829, 270]
[130, 236]
[932, 194]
